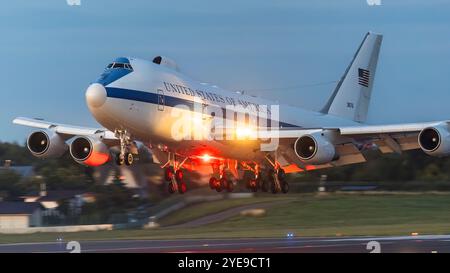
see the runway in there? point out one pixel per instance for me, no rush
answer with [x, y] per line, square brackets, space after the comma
[424, 244]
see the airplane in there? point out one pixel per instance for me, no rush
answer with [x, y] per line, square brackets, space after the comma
[187, 124]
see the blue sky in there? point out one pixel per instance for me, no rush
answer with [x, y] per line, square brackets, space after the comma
[52, 51]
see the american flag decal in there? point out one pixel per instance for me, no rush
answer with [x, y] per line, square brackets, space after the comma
[363, 77]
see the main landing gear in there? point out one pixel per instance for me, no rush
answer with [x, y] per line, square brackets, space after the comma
[254, 182]
[174, 175]
[277, 180]
[274, 178]
[221, 183]
[125, 157]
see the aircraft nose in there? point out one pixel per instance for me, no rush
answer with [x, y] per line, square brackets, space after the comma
[95, 95]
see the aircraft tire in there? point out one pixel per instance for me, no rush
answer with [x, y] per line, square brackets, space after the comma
[129, 159]
[171, 188]
[212, 183]
[182, 188]
[168, 173]
[120, 160]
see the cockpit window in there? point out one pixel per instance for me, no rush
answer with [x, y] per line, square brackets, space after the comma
[119, 65]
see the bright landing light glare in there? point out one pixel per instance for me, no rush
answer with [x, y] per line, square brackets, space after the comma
[206, 157]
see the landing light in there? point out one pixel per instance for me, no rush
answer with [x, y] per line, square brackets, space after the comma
[206, 157]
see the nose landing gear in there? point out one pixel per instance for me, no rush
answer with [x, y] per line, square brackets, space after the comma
[125, 157]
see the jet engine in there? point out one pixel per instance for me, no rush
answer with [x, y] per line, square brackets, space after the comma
[46, 144]
[315, 149]
[89, 151]
[435, 141]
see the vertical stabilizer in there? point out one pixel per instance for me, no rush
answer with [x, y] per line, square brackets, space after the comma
[351, 97]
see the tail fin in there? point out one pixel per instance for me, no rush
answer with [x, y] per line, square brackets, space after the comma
[351, 97]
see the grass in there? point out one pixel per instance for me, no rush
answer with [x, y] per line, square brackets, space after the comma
[305, 215]
[198, 210]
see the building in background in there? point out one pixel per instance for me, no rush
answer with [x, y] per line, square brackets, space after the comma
[15, 215]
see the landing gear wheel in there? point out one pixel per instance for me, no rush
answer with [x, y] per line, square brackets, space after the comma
[273, 180]
[253, 185]
[168, 173]
[284, 187]
[129, 159]
[212, 183]
[120, 160]
[274, 188]
[171, 188]
[282, 180]
[179, 175]
[230, 186]
[226, 184]
[248, 184]
[219, 185]
[182, 187]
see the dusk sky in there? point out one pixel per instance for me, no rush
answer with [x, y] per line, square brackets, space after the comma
[52, 51]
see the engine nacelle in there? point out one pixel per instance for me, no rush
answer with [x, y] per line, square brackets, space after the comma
[46, 144]
[314, 149]
[89, 151]
[435, 141]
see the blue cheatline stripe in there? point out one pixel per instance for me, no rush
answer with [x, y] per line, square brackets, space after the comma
[128, 94]
[148, 97]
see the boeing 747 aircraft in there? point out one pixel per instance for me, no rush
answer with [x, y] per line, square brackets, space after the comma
[186, 124]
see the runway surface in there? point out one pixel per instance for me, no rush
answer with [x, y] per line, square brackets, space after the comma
[426, 244]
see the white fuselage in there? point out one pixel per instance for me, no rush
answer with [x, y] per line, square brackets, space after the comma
[143, 103]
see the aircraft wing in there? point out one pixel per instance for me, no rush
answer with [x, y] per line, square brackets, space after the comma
[391, 138]
[66, 131]
[350, 141]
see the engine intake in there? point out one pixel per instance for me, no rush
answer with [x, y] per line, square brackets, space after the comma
[89, 151]
[46, 144]
[314, 149]
[435, 141]
[306, 147]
